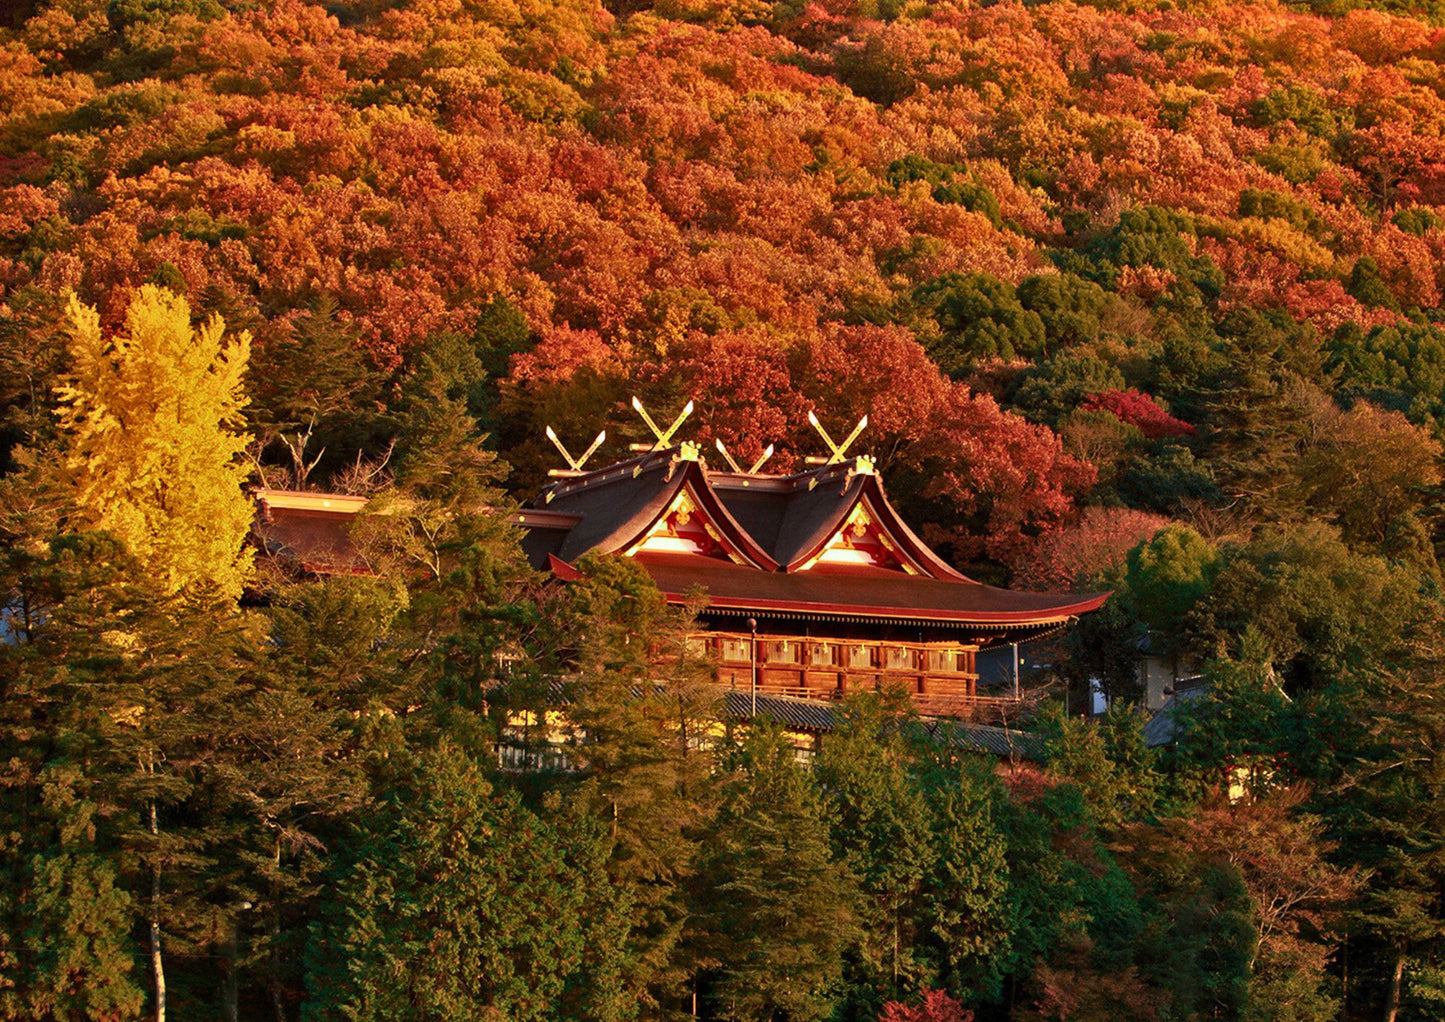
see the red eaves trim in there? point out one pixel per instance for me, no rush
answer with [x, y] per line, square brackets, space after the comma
[561, 569]
[906, 537]
[1016, 617]
[919, 555]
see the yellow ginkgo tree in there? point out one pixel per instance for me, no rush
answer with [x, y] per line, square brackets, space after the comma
[152, 417]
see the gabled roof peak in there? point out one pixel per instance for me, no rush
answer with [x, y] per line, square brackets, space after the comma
[666, 459]
[808, 479]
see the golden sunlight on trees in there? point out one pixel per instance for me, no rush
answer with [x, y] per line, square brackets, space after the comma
[152, 419]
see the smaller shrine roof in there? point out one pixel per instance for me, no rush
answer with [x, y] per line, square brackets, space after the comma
[1161, 729]
[310, 529]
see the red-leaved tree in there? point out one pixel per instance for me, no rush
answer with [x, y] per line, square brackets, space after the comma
[1139, 409]
[1085, 553]
[936, 1006]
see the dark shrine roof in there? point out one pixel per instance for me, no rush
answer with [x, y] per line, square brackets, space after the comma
[792, 520]
[856, 591]
[618, 504]
[1162, 729]
[794, 516]
[770, 532]
[778, 525]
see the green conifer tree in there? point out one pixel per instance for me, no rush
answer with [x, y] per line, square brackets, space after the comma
[646, 720]
[775, 908]
[132, 688]
[455, 903]
[880, 827]
[965, 918]
[75, 959]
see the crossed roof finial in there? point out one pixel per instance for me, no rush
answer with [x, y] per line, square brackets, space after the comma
[839, 451]
[574, 465]
[664, 436]
[732, 463]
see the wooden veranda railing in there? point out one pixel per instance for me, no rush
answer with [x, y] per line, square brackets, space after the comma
[940, 678]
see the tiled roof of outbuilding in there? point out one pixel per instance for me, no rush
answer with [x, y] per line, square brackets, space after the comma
[821, 717]
[1160, 729]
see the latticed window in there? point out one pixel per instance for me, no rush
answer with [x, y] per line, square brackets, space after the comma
[945, 661]
[860, 656]
[781, 651]
[823, 654]
[737, 651]
[896, 658]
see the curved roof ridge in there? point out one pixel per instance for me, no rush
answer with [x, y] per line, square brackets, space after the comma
[868, 487]
[920, 551]
[611, 517]
[617, 517]
[811, 518]
[714, 507]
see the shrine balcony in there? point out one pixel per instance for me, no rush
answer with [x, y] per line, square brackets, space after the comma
[941, 679]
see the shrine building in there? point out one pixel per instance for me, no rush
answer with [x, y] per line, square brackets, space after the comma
[814, 585]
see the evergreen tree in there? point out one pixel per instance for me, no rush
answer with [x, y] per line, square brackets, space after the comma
[1259, 406]
[775, 908]
[1167, 577]
[965, 906]
[283, 782]
[973, 317]
[69, 920]
[1070, 307]
[129, 689]
[315, 383]
[440, 533]
[454, 903]
[1387, 814]
[1070, 905]
[880, 827]
[32, 352]
[1054, 388]
[646, 719]
[1108, 761]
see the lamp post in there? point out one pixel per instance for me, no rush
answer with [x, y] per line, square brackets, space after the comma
[753, 628]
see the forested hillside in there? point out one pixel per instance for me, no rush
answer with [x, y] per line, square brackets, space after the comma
[1146, 296]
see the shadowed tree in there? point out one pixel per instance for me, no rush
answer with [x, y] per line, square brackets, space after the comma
[775, 908]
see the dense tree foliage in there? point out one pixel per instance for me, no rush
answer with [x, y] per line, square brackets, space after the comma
[1144, 297]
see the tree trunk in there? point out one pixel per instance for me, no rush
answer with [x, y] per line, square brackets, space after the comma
[231, 992]
[1392, 1001]
[158, 968]
[895, 949]
[278, 994]
[231, 985]
[1345, 978]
